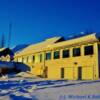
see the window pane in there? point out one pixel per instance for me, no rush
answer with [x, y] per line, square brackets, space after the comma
[56, 55]
[65, 53]
[76, 52]
[89, 50]
[48, 56]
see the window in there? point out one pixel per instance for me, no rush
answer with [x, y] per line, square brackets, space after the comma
[48, 56]
[30, 59]
[56, 55]
[17, 60]
[65, 53]
[22, 59]
[27, 58]
[33, 58]
[88, 50]
[76, 52]
[40, 57]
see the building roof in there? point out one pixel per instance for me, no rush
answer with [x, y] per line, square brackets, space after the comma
[75, 41]
[39, 46]
[19, 48]
[52, 43]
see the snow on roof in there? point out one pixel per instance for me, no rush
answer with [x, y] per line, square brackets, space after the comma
[18, 48]
[38, 47]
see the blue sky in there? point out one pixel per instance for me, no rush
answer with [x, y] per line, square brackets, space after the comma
[36, 20]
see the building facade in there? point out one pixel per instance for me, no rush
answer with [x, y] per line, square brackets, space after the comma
[56, 58]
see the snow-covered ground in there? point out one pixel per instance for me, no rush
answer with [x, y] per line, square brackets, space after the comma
[20, 87]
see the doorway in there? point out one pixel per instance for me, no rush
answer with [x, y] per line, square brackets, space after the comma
[62, 72]
[46, 72]
[79, 73]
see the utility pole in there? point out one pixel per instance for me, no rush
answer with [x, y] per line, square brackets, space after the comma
[9, 35]
[3, 41]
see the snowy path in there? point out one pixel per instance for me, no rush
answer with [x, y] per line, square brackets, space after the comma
[19, 88]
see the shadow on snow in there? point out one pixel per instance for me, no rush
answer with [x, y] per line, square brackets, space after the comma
[22, 86]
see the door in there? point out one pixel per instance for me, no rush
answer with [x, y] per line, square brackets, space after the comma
[62, 72]
[46, 72]
[79, 73]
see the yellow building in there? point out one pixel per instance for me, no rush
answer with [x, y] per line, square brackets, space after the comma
[54, 58]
